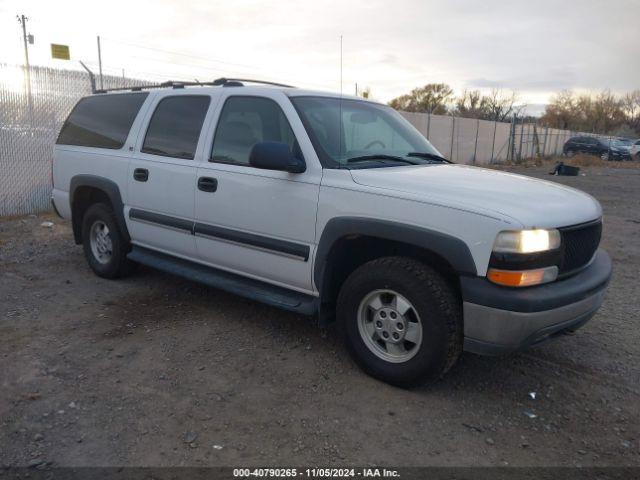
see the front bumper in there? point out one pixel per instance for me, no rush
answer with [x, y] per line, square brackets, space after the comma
[500, 320]
[619, 155]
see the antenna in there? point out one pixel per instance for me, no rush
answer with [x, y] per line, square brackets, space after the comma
[340, 104]
[340, 65]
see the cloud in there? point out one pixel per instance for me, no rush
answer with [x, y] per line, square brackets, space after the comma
[389, 46]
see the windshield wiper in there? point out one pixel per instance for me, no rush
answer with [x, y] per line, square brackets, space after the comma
[429, 156]
[364, 158]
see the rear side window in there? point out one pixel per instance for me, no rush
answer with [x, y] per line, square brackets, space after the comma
[175, 126]
[101, 121]
[245, 121]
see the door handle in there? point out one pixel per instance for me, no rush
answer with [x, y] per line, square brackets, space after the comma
[141, 174]
[207, 184]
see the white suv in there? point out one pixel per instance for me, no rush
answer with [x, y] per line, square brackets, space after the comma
[330, 206]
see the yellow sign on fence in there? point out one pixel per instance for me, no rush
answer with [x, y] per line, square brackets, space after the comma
[60, 51]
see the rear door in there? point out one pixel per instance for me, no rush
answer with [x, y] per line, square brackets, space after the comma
[258, 223]
[162, 173]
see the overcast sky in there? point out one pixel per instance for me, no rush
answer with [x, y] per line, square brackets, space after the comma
[536, 48]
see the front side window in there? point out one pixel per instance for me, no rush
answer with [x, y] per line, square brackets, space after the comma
[175, 126]
[245, 121]
[101, 121]
[348, 131]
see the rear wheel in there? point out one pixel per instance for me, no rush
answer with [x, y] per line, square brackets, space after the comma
[570, 153]
[105, 247]
[402, 321]
[605, 156]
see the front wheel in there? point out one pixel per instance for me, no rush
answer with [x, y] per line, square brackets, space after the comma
[402, 321]
[105, 247]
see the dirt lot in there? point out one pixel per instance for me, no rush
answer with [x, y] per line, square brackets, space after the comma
[156, 371]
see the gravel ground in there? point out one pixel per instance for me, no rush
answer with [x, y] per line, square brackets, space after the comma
[157, 371]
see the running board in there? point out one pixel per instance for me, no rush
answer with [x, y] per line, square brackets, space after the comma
[230, 282]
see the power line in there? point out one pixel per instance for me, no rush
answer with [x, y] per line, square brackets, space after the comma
[179, 53]
[252, 69]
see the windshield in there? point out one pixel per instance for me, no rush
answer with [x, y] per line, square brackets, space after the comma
[369, 135]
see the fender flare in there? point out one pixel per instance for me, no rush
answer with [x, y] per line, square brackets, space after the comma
[110, 188]
[452, 249]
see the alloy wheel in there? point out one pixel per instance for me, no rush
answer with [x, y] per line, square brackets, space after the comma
[100, 241]
[390, 326]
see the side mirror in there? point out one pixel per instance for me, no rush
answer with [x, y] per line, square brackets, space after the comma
[275, 156]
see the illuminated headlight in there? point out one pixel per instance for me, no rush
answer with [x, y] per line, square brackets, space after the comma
[527, 241]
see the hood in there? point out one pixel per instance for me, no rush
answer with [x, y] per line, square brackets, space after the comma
[532, 202]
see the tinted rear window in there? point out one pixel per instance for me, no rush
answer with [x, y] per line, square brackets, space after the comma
[101, 121]
[175, 126]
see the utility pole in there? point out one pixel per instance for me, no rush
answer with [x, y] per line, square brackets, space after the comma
[27, 39]
[100, 64]
[23, 21]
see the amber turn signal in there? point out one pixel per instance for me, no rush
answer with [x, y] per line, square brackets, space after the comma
[522, 278]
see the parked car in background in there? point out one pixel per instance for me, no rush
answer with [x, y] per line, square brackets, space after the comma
[624, 145]
[634, 151]
[605, 148]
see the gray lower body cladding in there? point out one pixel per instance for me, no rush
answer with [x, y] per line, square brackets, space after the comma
[499, 320]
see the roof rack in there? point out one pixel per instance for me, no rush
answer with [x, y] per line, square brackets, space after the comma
[238, 82]
[219, 82]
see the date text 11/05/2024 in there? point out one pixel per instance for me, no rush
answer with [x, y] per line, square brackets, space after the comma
[315, 473]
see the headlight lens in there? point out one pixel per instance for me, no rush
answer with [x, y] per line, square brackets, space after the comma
[527, 241]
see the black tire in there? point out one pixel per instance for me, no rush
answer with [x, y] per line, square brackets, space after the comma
[117, 265]
[434, 300]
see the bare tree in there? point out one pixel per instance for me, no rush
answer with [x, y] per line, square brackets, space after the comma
[561, 111]
[471, 105]
[631, 107]
[604, 112]
[432, 98]
[607, 113]
[365, 92]
[501, 104]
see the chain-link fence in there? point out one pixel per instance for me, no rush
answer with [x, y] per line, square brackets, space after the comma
[29, 125]
[30, 122]
[483, 142]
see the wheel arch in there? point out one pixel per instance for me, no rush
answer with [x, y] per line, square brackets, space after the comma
[84, 191]
[348, 242]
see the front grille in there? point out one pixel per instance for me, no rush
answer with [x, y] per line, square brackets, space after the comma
[579, 244]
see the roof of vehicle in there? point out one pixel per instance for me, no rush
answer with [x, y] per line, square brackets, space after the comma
[254, 85]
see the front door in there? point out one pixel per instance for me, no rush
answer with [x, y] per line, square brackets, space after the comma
[255, 222]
